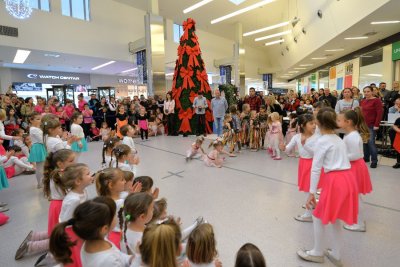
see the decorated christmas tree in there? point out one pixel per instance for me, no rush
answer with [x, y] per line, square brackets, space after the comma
[190, 77]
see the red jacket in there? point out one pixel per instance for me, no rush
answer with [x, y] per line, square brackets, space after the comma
[254, 102]
[372, 109]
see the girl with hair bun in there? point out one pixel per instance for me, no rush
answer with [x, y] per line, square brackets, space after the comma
[213, 159]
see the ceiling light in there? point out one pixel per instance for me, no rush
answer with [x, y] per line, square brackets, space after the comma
[374, 75]
[318, 58]
[195, 6]
[300, 68]
[125, 71]
[241, 11]
[169, 74]
[21, 56]
[385, 22]
[237, 2]
[356, 38]
[294, 71]
[334, 50]
[267, 28]
[51, 55]
[272, 35]
[275, 42]
[242, 51]
[306, 65]
[103, 65]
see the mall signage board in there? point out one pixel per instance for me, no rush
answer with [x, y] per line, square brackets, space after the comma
[396, 51]
[49, 77]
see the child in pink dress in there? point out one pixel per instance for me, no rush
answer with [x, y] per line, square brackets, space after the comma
[143, 123]
[276, 136]
[213, 159]
[195, 148]
[292, 131]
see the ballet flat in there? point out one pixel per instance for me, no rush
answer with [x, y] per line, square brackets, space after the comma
[336, 262]
[305, 256]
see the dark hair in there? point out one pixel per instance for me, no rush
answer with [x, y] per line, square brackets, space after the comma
[27, 99]
[109, 144]
[15, 148]
[327, 119]
[104, 178]
[321, 104]
[33, 115]
[358, 121]
[75, 116]
[146, 181]
[368, 87]
[87, 221]
[119, 151]
[17, 131]
[124, 129]
[250, 256]
[51, 171]
[233, 109]
[128, 176]
[302, 121]
[294, 123]
[263, 107]
[160, 205]
[49, 122]
[134, 205]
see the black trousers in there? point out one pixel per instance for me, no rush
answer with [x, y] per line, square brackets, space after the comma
[201, 124]
[144, 132]
[171, 124]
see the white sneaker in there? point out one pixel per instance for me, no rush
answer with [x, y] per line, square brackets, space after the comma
[356, 227]
[303, 218]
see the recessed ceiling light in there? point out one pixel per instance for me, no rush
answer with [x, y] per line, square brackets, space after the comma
[300, 68]
[356, 38]
[237, 2]
[267, 28]
[275, 42]
[242, 51]
[21, 56]
[125, 71]
[374, 75]
[385, 22]
[51, 55]
[103, 65]
[306, 65]
[294, 71]
[318, 58]
[272, 35]
[241, 11]
[334, 50]
[197, 5]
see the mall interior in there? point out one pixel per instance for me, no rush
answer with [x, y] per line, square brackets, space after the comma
[130, 48]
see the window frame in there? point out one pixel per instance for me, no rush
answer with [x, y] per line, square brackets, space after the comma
[86, 10]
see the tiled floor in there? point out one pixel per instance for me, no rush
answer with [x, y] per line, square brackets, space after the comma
[251, 199]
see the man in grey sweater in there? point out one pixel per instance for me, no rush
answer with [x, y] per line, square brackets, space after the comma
[219, 105]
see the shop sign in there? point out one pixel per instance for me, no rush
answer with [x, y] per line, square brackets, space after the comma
[51, 77]
[126, 81]
[396, 51]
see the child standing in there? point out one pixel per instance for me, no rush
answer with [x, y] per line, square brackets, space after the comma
[356, 130]
[122, 119]
[254, 131]
[87, 114]
[80, 145]
[122, 155]
[127, 132]
[291, 131]
[305, 137]
[52, 131]
[236, 126]
[105, 131]
[108, 147]
[339, 197]
[263, 119]
[228, 133]
[38, 151]
[143, 123]
[245, 124]
[195, 149]
[276, 136]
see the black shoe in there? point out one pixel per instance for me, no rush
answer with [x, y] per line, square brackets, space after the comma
[396, 166]
[41, 259]
[366, 160]
[373, 165]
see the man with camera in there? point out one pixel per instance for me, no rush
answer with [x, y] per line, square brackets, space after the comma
[200, 105]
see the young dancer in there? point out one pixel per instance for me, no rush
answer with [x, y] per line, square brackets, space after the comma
[305, 137]
[228, 133]
[147, 183]
[356, 130]
[38, 151]
[80, 145]
[76, 178]
[250, 256]
[108, 147]
[94, 132]
[122, 155]
[127, 132]
[339, 197]
[236, 126]
[263, 118]
[276, 136]
[122, 119]
[195, 148]
[254, 131]
[105, 131]
[17, 163]
[213, 159]
[201, 248]
[91, 221]
[292, 130]
[143, 123]
[52, 131]
[245, 124]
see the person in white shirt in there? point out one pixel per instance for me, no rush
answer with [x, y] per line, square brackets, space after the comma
[80, 145]
[169, 111]
[127, 132]
[353, 124]
[52, 131]
[339, 196]
[92, 220]
[122, 155]
[108, 147]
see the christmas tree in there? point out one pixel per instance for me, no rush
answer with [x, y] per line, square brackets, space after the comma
[190, 77]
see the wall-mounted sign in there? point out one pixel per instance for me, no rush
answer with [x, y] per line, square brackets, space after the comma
[127, 81]
[50, 77]
[396, 51]
[267, 81]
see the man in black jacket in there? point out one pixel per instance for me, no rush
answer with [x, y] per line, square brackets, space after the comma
[330, 98]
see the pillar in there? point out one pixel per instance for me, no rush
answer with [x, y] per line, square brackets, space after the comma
[239, 59]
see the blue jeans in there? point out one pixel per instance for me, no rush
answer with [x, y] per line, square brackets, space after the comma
[218, 126]
[370, 150]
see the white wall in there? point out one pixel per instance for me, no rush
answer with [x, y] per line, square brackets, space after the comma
[5, 79]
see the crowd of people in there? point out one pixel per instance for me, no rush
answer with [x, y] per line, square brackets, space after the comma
[128, 224]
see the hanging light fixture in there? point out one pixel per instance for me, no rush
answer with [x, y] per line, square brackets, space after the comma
[19, 9]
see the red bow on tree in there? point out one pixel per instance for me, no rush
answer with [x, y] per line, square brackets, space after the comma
[187, 74]
[185, 116]
[181, 51]
[187, 25]
[193, 52]
[176, 96]
[209, 119]
[203, 79]
[192, 96]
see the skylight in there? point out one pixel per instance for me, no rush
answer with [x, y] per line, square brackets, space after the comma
[237, 2]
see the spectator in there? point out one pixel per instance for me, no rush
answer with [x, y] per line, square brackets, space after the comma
[93, 103]
[219, 105]
[292, 104]
[169, 111]
[372, 110]
[394, 94]
[347, 102]
[41, 103]
[396, 107]
[81, 103]
[27, 109]
[200, 105]
[395, 131]
[272, 105]
[356, 93]
[254, 101]
[329, 97]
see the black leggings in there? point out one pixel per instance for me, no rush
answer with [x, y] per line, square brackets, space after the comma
[146, 132]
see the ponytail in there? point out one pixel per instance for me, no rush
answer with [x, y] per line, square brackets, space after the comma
[60, 243]
[362, 125]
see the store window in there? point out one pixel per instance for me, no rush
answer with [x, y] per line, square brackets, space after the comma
[371, 68]
[43, 5]
[178, 31]
[323, 81]
[79, 9]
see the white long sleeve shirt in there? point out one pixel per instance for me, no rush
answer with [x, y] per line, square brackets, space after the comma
[169, 106]
[54, 144]
[129, 142]
[77, 130]
[55, 192]
[330, 154]
[69, 204]
[3, 133]
[36, 135]
[354, 146]
[303, 152]
[110, 257]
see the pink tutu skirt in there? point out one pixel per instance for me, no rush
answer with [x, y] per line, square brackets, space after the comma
[115, 238]
[54, 214]
[339, 198]
[76, 250]
[321, 179]
[361, 173]
[10, 171]
[304, 174]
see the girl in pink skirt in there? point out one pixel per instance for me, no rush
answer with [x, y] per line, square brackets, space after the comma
[291, 131]
[339, 197]
[305, 137]
[353, 124]
[213, 158]
[276, 136]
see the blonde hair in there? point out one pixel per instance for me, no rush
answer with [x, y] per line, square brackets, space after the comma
[245, 107]
[274, 116]
[71, 174]
[160, 244]
[106, 177]
[201, 245]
